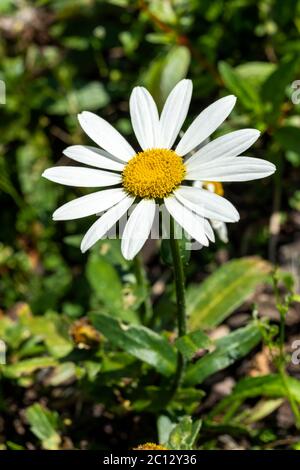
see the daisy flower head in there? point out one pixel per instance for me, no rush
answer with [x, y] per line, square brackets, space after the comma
[162, 172]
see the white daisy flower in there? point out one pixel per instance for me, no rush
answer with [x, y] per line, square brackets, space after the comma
[218, 225]
[161, 172]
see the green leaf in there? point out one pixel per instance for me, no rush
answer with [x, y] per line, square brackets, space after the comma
[164, 428]
[62, 373]
[261, 410]
[267, 385]
[225, 290]
[166, 71]
[175, 69]
[228, 350]
[154, 399]
[289, 138]
[255, 72]
[90, 97]
[243, 89]
[28, 366]
[107, 287]
[53, 331]
[270, 386]
[184, 434]
[139, 341]
[274, 88]
[105, 281]
[44, 424]
[189, 344]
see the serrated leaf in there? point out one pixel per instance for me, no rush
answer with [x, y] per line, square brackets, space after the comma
[224, 290]
[228, 350]
[139, 341]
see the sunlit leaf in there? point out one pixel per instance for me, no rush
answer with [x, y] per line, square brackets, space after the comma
[28, 366]
[224, 290]
[184, 434]
[44, 423]
[166, 71]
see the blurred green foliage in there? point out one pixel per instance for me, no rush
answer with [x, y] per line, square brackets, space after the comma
[58, 58]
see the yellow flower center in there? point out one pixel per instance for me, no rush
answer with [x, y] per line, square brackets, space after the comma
[215, 187]
[150, 446]
[154, 173]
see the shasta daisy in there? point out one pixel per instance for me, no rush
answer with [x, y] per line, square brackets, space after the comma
[161, 172]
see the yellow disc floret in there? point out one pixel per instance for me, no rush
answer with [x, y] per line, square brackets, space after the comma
[154, 173]
[150, 446]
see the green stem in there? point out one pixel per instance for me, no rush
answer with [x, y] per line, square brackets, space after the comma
[283, 308]
[275, 217]
[143, 283]
[179, 280]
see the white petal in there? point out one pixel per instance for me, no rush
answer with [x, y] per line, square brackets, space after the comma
[205, 124]
[174, 112]
[105, 222]
[144, 118]
[81, 177]
[138, 228]
[209, 231]
[101, 132]
[93, 156]
[207, 204]
[229, 145]
[89, 204]
[191, 223]
[221, 229]
[236, 169]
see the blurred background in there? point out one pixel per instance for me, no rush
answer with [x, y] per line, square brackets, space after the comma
[60, 57]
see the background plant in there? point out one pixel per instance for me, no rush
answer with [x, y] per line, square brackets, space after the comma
[76, 377]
